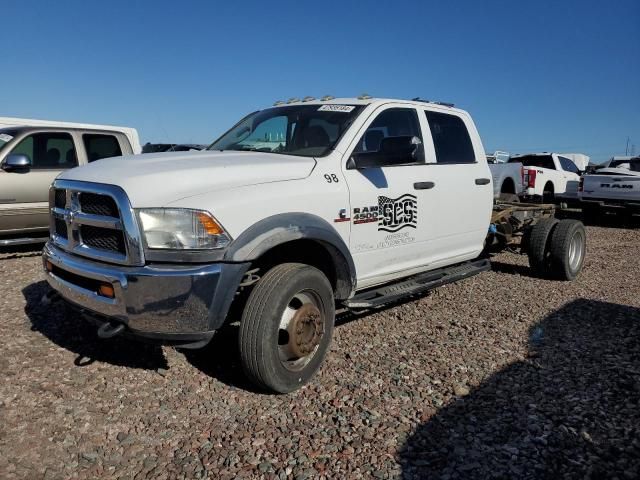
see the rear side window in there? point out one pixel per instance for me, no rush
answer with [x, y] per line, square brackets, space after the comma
[53, 150]
[540, 161]
[101, 146]
[450, 138]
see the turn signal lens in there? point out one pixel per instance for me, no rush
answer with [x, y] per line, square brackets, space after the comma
[49, 266]
[106, 290]
[209, 224]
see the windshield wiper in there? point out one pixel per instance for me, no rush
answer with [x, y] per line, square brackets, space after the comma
[254, 149]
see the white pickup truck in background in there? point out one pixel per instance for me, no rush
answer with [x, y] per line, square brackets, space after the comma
[549, 177]
[508, 178]
[616, 187]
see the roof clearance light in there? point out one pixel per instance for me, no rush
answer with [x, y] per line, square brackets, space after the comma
[308, 99]
[279, 102]
[327, 98]
[445, 104]
[293, 100]
[364, 96]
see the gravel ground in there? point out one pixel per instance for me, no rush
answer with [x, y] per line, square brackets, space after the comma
[499, 376]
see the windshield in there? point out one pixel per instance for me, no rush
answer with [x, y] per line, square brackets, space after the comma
[305, 130]
[541, 161]
[6, 135]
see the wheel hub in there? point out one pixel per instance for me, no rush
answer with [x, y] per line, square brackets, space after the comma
[306, 329]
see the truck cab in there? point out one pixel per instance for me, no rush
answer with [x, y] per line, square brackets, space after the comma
[294, 210]
[32, 156]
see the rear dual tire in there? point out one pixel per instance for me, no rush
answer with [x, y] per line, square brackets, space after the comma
[557, 249]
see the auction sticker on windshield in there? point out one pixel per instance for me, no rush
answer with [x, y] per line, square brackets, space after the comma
[336, 108]
[5, 138]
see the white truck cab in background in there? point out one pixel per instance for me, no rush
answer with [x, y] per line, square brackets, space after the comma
[550, 177]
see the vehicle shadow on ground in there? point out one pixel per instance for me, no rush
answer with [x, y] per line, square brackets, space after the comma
[511, 269]
[20, 251]
[220, 359]
[570, 410]
[605, 219]
[67, 329]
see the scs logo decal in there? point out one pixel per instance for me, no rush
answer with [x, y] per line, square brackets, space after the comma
[397, 213]
[391, 214]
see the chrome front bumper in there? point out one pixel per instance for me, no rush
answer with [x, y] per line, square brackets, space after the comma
[168, 300]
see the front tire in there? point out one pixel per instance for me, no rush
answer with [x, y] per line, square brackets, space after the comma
[286, 327]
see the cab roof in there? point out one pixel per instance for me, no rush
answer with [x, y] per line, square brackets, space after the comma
[369, 101]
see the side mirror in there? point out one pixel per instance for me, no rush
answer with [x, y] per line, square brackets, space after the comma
[400, 150]
[16, 162]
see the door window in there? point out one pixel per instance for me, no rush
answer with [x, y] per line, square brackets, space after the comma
[393, 122]
[53, 150]
[101, 146]
[450, 138]
[568, 166]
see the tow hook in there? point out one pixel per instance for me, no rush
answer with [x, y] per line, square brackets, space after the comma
[110, 330]
[50, 297]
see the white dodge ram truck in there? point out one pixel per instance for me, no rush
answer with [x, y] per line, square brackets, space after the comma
[549, 177]
[295, 210]
[616, 187]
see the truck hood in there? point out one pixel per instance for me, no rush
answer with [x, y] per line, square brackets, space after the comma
[154, 180]
[617, 171]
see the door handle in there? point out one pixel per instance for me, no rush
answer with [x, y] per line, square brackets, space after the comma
[482, 181]
[423, 185]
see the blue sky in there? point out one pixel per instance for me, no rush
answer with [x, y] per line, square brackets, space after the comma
[543, 75]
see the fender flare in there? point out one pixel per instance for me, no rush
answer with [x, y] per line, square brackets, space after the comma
[286, 227]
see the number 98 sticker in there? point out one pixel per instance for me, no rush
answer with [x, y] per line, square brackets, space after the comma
[331, 178]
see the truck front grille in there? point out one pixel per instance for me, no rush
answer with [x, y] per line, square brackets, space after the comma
[103, 239]
[98, 204]
[95, 221]
[60, 228]
[60, 198]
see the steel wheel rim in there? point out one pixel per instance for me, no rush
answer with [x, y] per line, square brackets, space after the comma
[301, 330]
[576, 249]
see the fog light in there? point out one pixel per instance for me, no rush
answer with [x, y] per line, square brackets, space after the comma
[49, 266]
[106, 290]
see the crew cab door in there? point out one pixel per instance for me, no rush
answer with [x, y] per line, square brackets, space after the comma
[415, 217]
[460, 203]
[388, 234]
[24, 193]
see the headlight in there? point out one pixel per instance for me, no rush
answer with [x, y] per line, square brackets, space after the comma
[181, 229]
